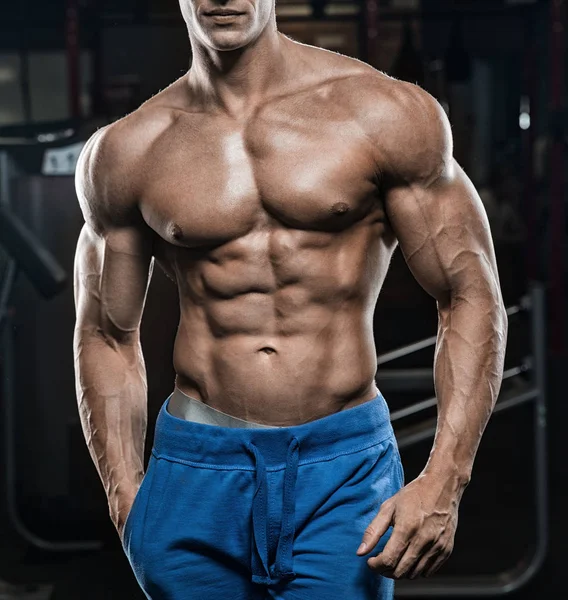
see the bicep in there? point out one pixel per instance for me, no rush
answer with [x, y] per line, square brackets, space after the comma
[111, 275]
[444, 236]
[113, 260]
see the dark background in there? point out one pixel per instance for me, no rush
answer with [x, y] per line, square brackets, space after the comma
[498, 67]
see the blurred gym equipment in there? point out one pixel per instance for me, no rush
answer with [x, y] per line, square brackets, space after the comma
[20, 251]
[29, 253]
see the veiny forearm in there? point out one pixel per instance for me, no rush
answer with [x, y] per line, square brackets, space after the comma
[468, 372]
[112, 398]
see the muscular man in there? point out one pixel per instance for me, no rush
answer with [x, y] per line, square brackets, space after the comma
[272, 182]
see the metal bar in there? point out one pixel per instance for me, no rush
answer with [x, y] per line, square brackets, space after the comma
[513, 579]
[468, 587]
[400, 380]
[431, 341]
[405, 373]
[4, 178]
[513, 310]
[397, 415]
[10, 272]
[557, 175]
[406, 350]
[428, 428]
[540, 426]
[430, 402]
[9, 278]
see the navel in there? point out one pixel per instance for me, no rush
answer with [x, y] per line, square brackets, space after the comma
[268, 350]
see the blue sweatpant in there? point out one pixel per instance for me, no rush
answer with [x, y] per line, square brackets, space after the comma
[245, 514]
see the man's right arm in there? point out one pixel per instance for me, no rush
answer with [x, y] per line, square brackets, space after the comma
[113, 264]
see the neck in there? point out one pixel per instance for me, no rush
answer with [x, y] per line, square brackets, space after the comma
[237, 78]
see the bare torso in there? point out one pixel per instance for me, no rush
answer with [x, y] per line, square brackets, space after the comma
[272, 226]
[272, 183]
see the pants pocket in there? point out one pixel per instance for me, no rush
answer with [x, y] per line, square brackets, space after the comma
[133, 531]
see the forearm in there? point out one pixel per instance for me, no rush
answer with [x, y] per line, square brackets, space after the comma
[468, 371]
[112, 398]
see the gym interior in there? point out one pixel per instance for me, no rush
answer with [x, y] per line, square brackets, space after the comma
[498, 67]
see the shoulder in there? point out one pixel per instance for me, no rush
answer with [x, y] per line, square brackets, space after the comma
[111, 165]
[407, 127]
[408, 130]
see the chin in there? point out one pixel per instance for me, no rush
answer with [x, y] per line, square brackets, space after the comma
[229, 40]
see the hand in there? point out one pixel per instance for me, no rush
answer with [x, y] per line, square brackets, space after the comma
[424, 515]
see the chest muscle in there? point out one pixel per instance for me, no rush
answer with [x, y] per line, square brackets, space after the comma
[216, 184]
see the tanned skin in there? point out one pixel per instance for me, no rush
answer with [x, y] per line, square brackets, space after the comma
[272, 182]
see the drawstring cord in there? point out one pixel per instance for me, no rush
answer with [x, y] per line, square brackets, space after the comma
[282, 569]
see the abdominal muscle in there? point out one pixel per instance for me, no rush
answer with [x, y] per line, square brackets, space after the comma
[238, 358]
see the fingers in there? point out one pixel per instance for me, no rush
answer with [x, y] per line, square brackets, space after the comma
[408, 555]
[432, 560]
[387, 561]
[414, 554]
[424, 563]
[442, 558]
[377, 528]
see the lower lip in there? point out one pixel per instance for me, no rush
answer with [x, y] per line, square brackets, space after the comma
[224, 18]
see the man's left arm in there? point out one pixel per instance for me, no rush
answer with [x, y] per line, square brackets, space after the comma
[441, 225]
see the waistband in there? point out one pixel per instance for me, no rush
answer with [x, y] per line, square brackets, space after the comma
[343, 432]
[190, 409]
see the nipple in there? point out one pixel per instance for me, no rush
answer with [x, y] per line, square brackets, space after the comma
[340, 208]
[176, 231]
